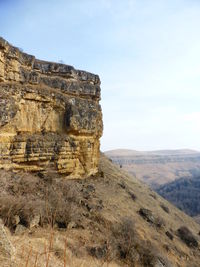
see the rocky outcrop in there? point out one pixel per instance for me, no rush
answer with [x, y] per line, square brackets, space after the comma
[50, 115]
[7, 250]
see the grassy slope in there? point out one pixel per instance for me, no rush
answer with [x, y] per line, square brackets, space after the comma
[121, 196]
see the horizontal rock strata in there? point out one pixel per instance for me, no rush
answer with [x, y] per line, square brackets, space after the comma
[50, 115]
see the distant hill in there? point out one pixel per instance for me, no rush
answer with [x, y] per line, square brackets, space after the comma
[158, 167]
[183, 193]
[128, 152]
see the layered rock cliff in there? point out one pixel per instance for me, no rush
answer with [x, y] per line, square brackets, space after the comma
[50, 115]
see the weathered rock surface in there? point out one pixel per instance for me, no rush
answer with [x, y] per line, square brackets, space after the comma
[7, 250]
[49, 115]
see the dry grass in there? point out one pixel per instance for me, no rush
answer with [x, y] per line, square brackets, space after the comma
[93, 222]
[29, 195]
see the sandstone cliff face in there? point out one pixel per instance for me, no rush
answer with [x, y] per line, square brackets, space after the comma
[50, 115]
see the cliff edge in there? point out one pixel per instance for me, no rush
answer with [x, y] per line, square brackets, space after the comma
[50, 115]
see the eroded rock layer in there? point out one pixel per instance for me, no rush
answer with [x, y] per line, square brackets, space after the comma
[50, 115]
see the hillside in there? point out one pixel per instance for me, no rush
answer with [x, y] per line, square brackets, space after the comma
[183, 193]
[158, 167]
[110, 219]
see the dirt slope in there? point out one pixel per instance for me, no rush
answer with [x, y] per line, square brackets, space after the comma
[111, 219]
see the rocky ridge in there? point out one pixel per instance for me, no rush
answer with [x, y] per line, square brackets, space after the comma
[50, 115]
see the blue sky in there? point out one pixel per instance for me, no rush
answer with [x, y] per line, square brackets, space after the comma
[147, 53]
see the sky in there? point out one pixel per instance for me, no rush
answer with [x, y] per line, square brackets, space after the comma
[146, 52]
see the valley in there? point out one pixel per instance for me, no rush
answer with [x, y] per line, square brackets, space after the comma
[157, 168]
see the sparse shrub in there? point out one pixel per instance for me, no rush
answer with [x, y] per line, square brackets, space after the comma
[169, 235]
[10, 206]
[165, 208]
[99, 252]
[125, 245]
[150, 256]
[27, 195]
[153, 196]
[150, 218]
[59, 253]
[187, 237]
[101, 173]
[147, 257]
[132, 195]
[147, 215]
[123, 241]
[159, 222]
[122, 185]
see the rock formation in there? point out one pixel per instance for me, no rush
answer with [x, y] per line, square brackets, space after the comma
[7, 250]
[50, 115]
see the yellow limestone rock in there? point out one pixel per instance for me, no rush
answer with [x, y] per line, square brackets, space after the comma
[7, 251]
[50, 115]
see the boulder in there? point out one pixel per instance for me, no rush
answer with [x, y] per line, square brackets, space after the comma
[20, 229]
[35, 221]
